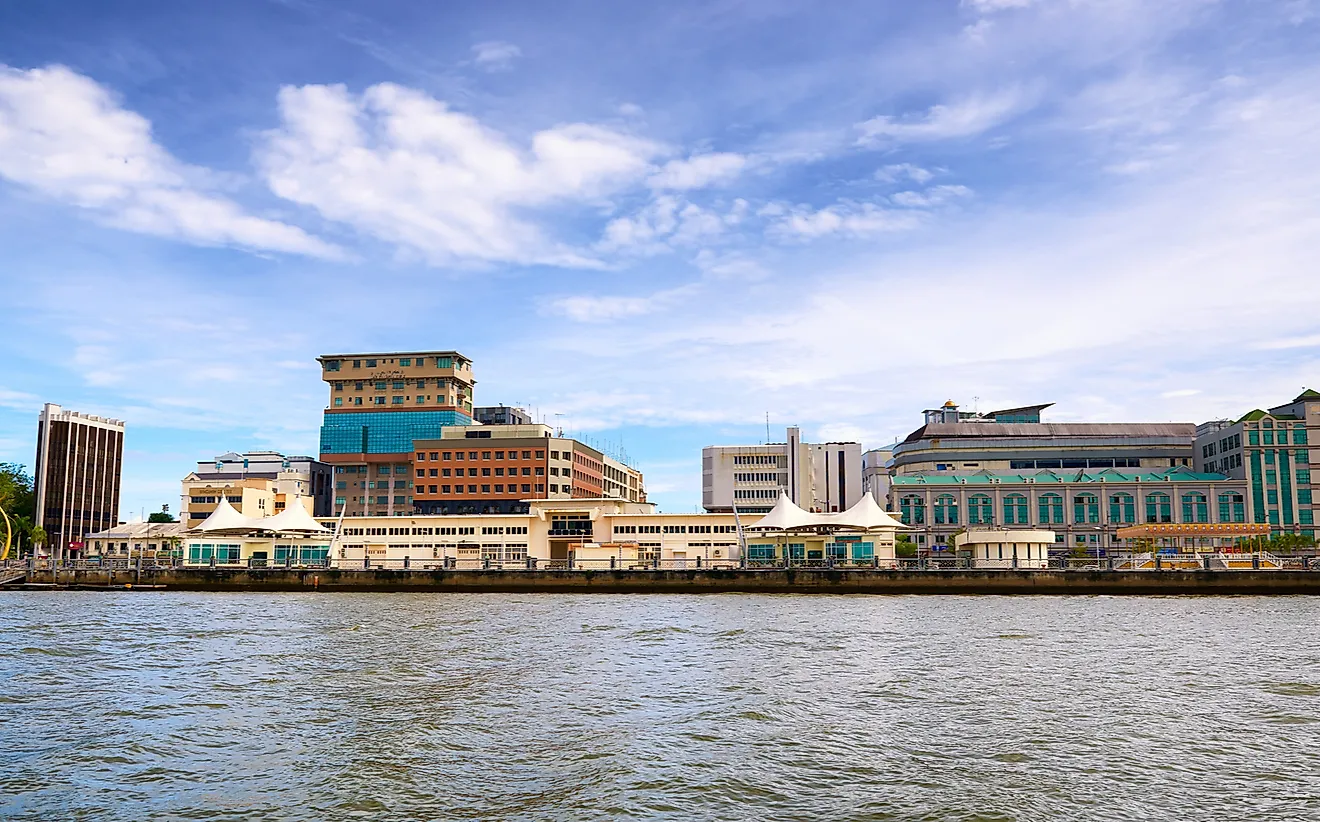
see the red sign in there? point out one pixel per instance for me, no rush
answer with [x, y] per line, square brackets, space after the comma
[75, 545]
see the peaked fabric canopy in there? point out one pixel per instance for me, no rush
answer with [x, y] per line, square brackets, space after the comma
[293, 518]
[786, 516]
[866, 514]
[226, 518]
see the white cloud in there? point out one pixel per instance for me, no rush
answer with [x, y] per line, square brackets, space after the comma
[899, 171]
[405, 168]
[699, 171]
[967, 117]
[666, 222]
[991, 6]
[20, 400]
[846, 219]
[605, 308]
[1285, 343]
[495, 55]
[1180, 392]
[65, 136]
[934, 196]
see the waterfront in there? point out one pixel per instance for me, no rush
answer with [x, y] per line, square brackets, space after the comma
[164, 705]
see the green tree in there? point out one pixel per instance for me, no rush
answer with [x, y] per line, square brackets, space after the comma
[904, 546]
[163, 515]
[16, 490]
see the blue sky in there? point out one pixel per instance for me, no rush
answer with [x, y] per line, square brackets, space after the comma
[655, 224]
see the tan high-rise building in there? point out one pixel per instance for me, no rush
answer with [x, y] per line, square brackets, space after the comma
[379, 404]
[79, 461]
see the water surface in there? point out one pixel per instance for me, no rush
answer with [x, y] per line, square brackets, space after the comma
[156, 705]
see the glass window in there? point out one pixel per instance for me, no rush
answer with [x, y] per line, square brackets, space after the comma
[1232, 508]
[913, 509]
[946, 510]
[1122, 508]
[1299, 436]
[1267, 437]
[405, 361]
[1015, 510]
[1253, 438]
[1195, 508]
[1086, 508]
[1269, 457]
[1051, 508]
[980, 510]
[1303, 476]
[1159, 508]
[371, 363]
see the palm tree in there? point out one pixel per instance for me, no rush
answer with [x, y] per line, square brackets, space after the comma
[38, 537]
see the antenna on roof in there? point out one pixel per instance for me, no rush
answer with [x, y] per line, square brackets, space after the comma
[767, 428]
[976, 405]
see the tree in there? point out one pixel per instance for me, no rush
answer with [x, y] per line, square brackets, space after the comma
[904, 547]
[38, 536]
[16, 490]
[163, 515]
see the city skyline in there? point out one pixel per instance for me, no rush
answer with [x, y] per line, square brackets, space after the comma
[840, 216]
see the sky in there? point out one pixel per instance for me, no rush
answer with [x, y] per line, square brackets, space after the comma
[655, 224]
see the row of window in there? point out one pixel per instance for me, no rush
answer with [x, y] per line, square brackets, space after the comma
[406, 362]
[1086, 509]
[837, 551]
[759, 459]
[485, 472]
[396, 400]
[472, 456]
[1223, 466]
[756, 493]
[761, 476]
[394, 385]
[500, 488]
[1267, 437]
[1119, 462]
[213, 500]
[1224, 445]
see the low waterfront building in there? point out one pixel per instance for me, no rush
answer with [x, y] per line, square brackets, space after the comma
[1014, 439]
[1273, 452]
[159, 541]
[1083, 508]
[816, 476]
[553, 533]
[1002, 548]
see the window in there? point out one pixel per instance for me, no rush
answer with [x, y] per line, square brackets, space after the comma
[380, 386]
[332, 365]
[1158, 508]
[1086, 508]
[1015, 510]
[913, 509]
[1268, 437]
[1253, 438]
[980, 510]
[1299, 436]
[946, 510]
[761, 553]
[405, 361]
[1304, 496]
[371, 363]
[339, 401]
[433, 472]
[1303, 476]
[1051, 508]
[444, 489]
[1232, 508]
[499, 455]
[499, 488]
[1272, 497]
[421, 457]
[1195, 508]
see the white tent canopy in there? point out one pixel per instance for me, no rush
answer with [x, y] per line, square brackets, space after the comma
[786, 516]
[293, 518]
[865, 515]
[226, 518]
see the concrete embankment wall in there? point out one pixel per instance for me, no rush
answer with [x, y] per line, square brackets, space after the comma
[802, 581]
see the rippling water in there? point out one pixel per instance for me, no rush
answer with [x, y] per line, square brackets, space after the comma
[153, 706]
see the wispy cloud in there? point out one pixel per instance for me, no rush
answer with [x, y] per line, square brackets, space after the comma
[966, 117]
[65, 136]
[495, 55]
[699, 171]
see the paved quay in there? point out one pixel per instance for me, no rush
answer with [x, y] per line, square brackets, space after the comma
[795, 581]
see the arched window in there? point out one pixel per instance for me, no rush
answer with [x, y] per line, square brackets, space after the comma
[1195, 508]
[1158, 508]
[913, 509]
[1122, 508]
[946, 510]
[1051, 508]
[1232, 508]
[1086, 508]
[1015, 510]
[980, 510]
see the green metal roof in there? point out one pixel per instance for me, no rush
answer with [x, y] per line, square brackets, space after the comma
[1179, 474]
[1308, 394]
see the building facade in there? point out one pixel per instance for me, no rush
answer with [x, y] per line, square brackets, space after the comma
[1084, 509]
[876, 473]
[1273, 452]
[499, 468]
[379, 405]
[78, 468]
[501, 415]
[159, 541]
[957, 442]
[816, 476]
[262, 480]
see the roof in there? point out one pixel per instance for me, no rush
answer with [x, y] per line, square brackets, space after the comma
[293, 518]
[1019, 410]
[866, 515]
[394, 354]
[1308, 394]
[226, 518]
[999, 430]
[1258, 414]
[1047, 477]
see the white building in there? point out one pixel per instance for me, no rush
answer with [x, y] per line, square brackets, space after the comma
[876, 475]
[1019, 548]
[816, 476]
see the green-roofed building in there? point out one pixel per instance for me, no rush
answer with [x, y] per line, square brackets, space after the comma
[1272, 450]
[1084, 508]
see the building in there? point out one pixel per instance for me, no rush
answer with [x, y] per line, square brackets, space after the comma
[1015, 439]
[816, 476]
[876, 474]
[1273, 452]
[499, 468]
[1019, 548]
[79, 462]
[558, 533]
[264, 480]
[158, 541]
[501, 415]
[379, 404]
[1083, 508]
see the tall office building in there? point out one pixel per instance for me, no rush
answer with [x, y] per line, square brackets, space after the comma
[1273, 451]
[379, 404]
[79, 460]
[816, 476]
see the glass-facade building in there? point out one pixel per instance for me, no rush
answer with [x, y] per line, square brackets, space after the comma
[383, 432]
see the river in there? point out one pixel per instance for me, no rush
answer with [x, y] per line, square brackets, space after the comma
[163, 706]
